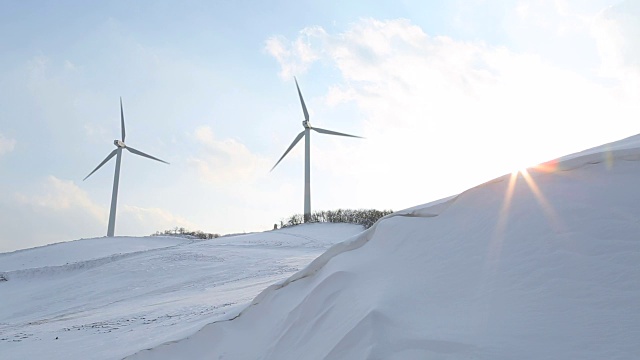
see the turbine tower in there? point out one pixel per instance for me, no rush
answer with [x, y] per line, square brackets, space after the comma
[116, 178]
[307, 152]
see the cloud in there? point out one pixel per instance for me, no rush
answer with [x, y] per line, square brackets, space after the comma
[443, 114]
[58, 210]
[552, 15]
[55, 210]
[225, 162]
[616, 31]
[139, 220]
[296, 56]
[6, 145]
[61, 196]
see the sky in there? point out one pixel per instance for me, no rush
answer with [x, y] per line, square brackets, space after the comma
[447, 94]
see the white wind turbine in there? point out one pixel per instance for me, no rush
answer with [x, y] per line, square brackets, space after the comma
[307, 152]
[116, 178]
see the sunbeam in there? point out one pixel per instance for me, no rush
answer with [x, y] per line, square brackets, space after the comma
[548, 210]
[497, 239]
[498, 235]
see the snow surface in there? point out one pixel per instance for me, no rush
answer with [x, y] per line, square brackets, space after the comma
[107, 298]
[547, 270]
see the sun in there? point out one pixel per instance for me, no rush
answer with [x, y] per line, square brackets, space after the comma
[514, 174]
[523, 160]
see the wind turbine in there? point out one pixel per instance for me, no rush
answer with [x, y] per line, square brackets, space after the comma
[116, 178]
[307, 152]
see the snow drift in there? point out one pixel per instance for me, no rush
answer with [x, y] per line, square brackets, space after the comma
[543, 264]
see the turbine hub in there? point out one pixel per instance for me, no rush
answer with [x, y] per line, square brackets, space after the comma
[119, 144]
[306, 124]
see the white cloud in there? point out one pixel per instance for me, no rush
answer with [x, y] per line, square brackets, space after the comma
[227, 161]
[6, 145]
[296, 56]
[555, 16]
[139, 220]
[58, 210]
[617, 30]
[55, 210]
[444, 114]
[60, 196]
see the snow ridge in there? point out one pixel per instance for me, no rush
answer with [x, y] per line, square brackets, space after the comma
[57, 270]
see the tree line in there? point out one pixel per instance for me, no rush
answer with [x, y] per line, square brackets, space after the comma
[182, 232]
[364, 217]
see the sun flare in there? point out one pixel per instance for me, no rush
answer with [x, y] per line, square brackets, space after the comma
[509, 195]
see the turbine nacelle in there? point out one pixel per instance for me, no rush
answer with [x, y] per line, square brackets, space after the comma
[119, 144]
[306, 124]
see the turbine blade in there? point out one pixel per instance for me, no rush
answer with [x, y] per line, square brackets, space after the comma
[102, 163]
[122, 119]
[323, 131]
[138, 152]
[304, 107]
[295, 141]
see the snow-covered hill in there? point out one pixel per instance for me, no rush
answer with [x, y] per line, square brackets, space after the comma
[544, 264]
[107, 298]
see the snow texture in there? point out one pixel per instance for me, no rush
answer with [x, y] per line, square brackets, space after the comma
[107, 298]
[536, 265]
